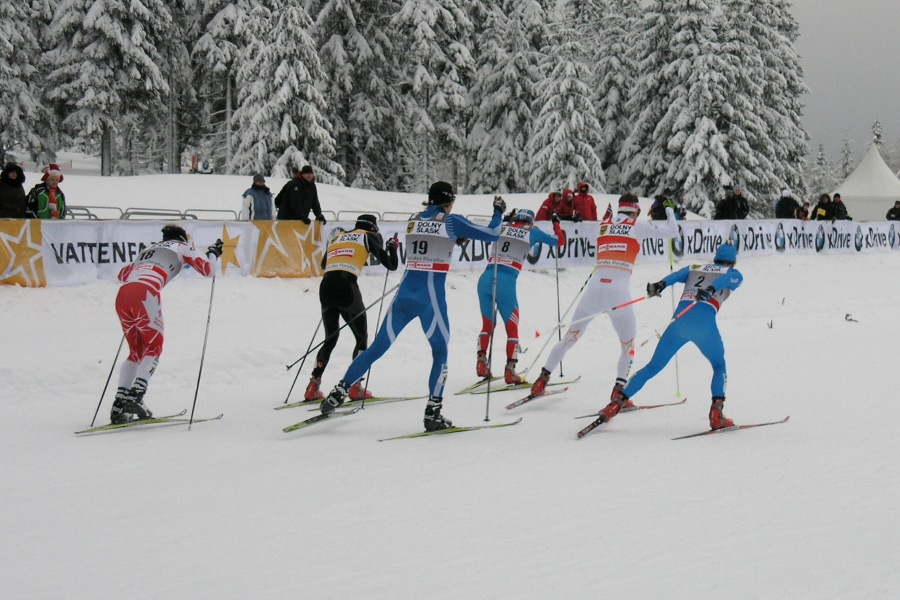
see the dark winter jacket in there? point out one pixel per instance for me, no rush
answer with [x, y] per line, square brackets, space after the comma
[840, 210]
[12, 192]
[296, 199]
[733, 207]
[786, 208]
[893, 214]
[823, 211]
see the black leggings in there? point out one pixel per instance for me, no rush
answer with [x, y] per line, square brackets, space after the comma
[340, 297]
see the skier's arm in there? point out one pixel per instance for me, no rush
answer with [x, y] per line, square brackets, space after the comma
[541, 237]
[460, 227]
[386, 255]
[731, 280]
[648, 229]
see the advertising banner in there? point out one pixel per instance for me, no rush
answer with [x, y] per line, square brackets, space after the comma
[35, 253]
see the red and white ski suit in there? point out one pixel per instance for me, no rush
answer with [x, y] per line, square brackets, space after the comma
[618, 248]
[138, 303]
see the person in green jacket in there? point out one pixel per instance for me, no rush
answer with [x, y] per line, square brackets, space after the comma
[46, 200]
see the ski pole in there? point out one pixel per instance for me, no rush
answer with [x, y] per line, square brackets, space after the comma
[494, 311]
[212, 291]
[300, 370]
[558, 315]
[328, 337]
[565, 314]
[111, 369]
[588, 318]
[672, 296]
[362, 404]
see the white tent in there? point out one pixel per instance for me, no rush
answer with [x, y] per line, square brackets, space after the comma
[871, 189]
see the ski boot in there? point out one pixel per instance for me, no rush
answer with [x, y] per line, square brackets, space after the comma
[312, 390]
[134, 401]
[434, 421]
[358, 392]
[481, 367]
[629, 405]
[614, 407]
[334, 399]
[717, 419]
[509, 374]
[118, 413]
[538, 387]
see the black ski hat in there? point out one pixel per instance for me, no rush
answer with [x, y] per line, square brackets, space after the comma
[174, 232]
[441, 192]
[367, 222]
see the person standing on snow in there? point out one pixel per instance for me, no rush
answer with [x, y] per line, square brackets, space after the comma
[554, 205]
[346, 255]
[618, 248]
[298, 197]
[256, 205]
[139, 307]
[46, 200]
[583, 205]
[516, 239]
[706, 287]
[12, 192]
[430, 237]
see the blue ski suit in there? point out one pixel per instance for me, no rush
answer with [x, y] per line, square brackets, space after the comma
[697, 325]
[430, 238]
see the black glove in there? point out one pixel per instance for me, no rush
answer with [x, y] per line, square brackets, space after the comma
[655, 289]
[306, 220]
[499, 204]
[321, 218]
[392, 244]
[215, 249]
[554, 217]
[578, 218]
[706, 293]
[670, 204]
[462, 241]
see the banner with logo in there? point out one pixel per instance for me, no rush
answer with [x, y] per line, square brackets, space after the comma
[36, 253]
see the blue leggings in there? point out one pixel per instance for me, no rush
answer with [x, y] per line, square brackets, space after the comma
[422, 295]
[698, 326]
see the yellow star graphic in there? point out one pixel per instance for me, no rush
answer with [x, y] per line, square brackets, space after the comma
[229, 250]
[20, 255]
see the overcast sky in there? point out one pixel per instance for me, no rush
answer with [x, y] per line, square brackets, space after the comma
[850, 51]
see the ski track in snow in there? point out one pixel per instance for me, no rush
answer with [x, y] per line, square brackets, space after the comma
[238, 509]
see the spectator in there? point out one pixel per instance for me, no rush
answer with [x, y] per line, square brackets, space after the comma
[257, 202]
[893, 214]
[583, 205]
[823, 211]
[298, 197]
[803, 212]
[658, 208]
[46, 200]
[786, 207]
[12, 192]
[840, 209]
[734, 206]
[554, 205]
[568, 198]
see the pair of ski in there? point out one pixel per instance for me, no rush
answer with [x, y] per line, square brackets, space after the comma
[373, 400]
[480, 386]
[346, 413]
[599, 421]
[176, 419]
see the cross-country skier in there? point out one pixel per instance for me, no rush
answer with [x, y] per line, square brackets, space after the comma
[516, 240]
[618, 248]
[139, 307]
[706, 287]
[430, 237]
[346, 255]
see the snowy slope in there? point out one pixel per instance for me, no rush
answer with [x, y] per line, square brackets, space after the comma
[238, 509]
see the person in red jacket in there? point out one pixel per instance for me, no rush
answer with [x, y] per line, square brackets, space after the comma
[583, 205]
[554, 205]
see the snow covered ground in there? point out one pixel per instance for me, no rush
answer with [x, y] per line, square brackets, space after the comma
[238, 509]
